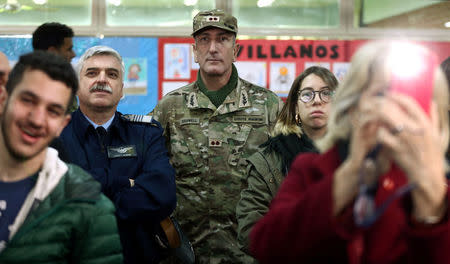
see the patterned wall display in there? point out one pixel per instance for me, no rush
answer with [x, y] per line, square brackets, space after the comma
[140, 57]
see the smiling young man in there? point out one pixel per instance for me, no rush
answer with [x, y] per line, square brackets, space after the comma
[50, 211]
[211, 126]
[125, 153]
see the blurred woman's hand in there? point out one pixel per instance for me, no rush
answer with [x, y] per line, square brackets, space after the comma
[365, 123]
[412, 140]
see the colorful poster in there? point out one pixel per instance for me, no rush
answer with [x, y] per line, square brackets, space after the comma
[340, 69]
[135, 79]
[177, 61]
[141, 94]
[252, 71]
[282, 74]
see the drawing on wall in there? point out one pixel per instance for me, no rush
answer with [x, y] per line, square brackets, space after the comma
[254, 72]
[176, 61]
[340, 69]
[321, 64]
[168, 87]
[282, 74]
[135, 79]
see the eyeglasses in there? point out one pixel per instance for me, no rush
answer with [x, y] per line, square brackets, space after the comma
[307, 95]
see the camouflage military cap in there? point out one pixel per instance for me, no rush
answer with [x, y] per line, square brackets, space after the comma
[214, 18]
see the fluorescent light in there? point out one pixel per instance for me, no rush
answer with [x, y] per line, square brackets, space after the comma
[190, 2]
[447, 24]
[115, 2]
[16, 36]
[265, 3]
[40, 2]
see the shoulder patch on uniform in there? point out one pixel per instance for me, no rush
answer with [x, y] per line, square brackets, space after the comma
[138, 118]
[244, 100]
[192, 100]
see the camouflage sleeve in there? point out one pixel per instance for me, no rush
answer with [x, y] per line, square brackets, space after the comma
[159, 112]
[275, 104]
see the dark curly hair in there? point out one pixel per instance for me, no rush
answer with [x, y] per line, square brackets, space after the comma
[53, 65]
[51, 34]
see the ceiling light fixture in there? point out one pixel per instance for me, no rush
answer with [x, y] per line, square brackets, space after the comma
[264, 3]
[190, 2]
[40, 2]
[115, 2]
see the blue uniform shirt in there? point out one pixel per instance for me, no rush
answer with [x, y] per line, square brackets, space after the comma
[131, 150]
[12, 196]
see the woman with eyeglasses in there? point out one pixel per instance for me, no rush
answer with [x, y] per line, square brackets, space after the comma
[377, 193]
[302, 120]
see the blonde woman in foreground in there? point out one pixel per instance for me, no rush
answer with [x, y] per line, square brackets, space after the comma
[378, 192]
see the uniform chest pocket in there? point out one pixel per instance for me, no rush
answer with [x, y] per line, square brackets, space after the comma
[187, 142]
[233, 148]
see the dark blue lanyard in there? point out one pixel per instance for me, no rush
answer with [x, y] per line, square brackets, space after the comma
[365, 212]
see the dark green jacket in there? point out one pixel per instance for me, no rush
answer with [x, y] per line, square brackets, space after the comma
[265, 172]
[74, 223]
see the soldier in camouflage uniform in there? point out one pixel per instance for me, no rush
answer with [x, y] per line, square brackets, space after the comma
[212, 125]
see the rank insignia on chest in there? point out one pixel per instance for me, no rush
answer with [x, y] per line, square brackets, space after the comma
[192, 100]
[122, 151]
[243, 100]
[215, 142]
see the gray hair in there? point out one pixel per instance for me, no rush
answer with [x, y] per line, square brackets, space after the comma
[99, 50]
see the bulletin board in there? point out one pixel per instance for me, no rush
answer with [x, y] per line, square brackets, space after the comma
[273, 64]
[140, 56]
[155, 66]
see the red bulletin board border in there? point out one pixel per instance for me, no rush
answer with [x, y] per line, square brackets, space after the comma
[298, 51]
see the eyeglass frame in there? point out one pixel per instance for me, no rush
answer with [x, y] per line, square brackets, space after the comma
[314, 96]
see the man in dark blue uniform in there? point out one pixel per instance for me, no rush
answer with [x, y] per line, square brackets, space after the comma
[125, 153]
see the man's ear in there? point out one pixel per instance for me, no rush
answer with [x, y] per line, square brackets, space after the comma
[194, 50]
[237, 47]
[121, 91]
[3, 98]
[63, 124]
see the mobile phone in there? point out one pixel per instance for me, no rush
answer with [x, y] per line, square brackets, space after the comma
[414, 74]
